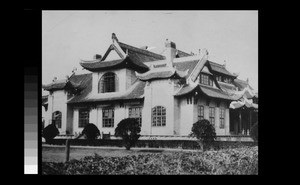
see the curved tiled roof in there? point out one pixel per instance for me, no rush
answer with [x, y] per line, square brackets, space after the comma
[215, 66]
[57, 85]
[220, 69]
[135, 92]
[209, 91]
[241, 84]
[129, 61]
[162, 75]
[141, 54]
[215, 93]
[186, 66]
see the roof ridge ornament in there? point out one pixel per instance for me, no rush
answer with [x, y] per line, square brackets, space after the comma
[114, 37]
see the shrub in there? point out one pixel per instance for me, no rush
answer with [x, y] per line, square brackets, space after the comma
[241, 161]
[50, 132]
[91, 131]
[254, 132]
[128, 129]
[204, 132]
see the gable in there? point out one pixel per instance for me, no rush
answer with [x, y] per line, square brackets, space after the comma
[112, 55]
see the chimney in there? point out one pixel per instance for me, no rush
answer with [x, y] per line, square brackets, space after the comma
[170, 51]
[97, 56]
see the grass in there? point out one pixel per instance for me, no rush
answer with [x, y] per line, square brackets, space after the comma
[57, 154]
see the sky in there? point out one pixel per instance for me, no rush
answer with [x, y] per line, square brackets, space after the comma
[71, 36]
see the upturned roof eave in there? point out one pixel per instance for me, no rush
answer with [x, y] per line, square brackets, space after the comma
[123, 63]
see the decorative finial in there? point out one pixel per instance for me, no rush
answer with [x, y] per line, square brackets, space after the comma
[74, 69]
[114, 37]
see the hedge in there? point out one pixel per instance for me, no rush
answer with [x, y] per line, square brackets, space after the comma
[242, 161]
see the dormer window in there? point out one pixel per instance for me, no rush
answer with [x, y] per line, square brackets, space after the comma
[206, 79]
[108, 83]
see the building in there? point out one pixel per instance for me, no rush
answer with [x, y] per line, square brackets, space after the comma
[165, 92]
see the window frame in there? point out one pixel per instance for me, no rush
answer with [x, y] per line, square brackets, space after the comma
[158, 120]
[139, 117]
[200, 112]
[57, 117]
[206, 79]
[108, 121]
[108, 83]
[222, 118]
[83, 121]
[212, 115]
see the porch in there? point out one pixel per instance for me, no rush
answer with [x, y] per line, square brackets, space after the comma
[241, 120]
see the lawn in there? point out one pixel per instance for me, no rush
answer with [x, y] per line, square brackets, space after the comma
[57, 154]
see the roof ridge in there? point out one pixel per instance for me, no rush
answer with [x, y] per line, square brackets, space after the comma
[146, 52]
[216, 64]
[241, 80]
[184, 52]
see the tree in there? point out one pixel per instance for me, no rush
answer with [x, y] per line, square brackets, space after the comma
[254, 132]
[90, 131]
[128, 129]
[50, 132]
[204, 132]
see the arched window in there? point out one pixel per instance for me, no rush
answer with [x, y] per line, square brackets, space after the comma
[56, 117]
[108, 83]
[158, 116]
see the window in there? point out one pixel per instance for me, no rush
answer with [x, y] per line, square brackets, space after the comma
[206, 80]
[212, 115]
[222, 118]
[83, 118]
[136, 112]
[108, 117]
[56, 117]
[200, 112]
[210, 82]
[108, 83]
[159, 116]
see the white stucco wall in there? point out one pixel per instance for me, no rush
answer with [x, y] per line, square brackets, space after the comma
[76, 129]
[189, 115]
[158, 93]
[186, 117]
[57, 102]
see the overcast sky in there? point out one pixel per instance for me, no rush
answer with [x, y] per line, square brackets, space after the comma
[68, 36]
